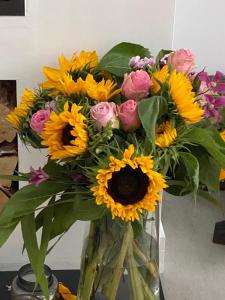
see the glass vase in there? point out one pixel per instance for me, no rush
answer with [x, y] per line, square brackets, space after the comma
[119, 261]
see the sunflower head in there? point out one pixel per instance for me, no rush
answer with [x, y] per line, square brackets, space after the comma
[159, 77]
[166, 134]
[100, 91]
[86, 60]
[128, 186]
[23, 108]
[65, 134]
[180, 89]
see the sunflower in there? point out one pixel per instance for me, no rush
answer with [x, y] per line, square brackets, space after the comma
[181, 93]
[159, 76]
[21, 111]
[63, 83]
[222, 172]
[165, 135]
[128, 186]
[66, 134]
[61, 79]
[100, 91]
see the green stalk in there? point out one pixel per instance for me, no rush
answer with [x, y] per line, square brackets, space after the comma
[146, 262]
[134, 276]
[93, 258]
[111, 288]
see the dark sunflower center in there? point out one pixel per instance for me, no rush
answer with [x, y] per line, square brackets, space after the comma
[128, 186]
[67, 137]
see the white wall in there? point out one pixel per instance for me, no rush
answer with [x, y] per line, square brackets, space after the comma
[199, 25]
[55, 26]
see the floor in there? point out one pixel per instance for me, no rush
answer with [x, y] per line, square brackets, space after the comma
[194, 266]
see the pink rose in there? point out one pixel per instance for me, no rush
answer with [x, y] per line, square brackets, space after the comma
[128, 115]
[182, 60]
[136, 85]
[103, 113]
[39, 119]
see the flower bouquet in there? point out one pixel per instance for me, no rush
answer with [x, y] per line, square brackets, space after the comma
[118, 131]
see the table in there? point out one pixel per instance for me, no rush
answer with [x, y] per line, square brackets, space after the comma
[68, 277]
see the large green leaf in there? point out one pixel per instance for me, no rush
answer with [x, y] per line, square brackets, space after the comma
[31, 245]
[14, 177]
[27, 199]
[67, 213]
[200, 136]
[6, 231]
[116, 61]
[209, 169]
[192, 168]
[150, 110]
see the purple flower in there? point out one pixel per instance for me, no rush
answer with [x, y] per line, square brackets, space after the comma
[211, 104]
[38, 176]
[137, 63]
[212, 84]
[80, 178]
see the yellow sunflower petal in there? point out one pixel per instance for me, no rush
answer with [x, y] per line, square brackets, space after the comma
[85, 60]
[23, 108]
[165, 135]
[65, 134]
[100, 91]
[65, 292]
[141, 165]
[159, 76]
[184, 98]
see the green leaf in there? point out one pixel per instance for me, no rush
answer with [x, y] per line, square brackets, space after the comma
[88, 210]
[192, 167]
[150, 110]
[209, 169]
[200, 136]
[116, 61]
[175, 187]
[14, 177]
[77, 209]
[31, 244]
[161, 54]
[54, 169]
[6, 231]
[27, 199]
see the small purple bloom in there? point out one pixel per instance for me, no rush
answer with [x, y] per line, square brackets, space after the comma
[38, 176]
[212, 84]
[137, 63]
[79, 178]
[211, 106]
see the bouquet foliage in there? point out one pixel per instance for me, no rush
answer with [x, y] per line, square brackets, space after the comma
[118, 131]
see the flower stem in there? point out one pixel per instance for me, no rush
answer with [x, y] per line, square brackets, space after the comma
[111, 288]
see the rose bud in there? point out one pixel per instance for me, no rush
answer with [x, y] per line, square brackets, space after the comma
[103, 113]
[182, 60]
[39, 119]
[128, 115]
[136, 85]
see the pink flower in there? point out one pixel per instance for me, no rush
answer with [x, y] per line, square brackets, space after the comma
[39, 119]
[128, 115]
[136, 85]
[38, 176]
[103, 113]
[182, 60]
